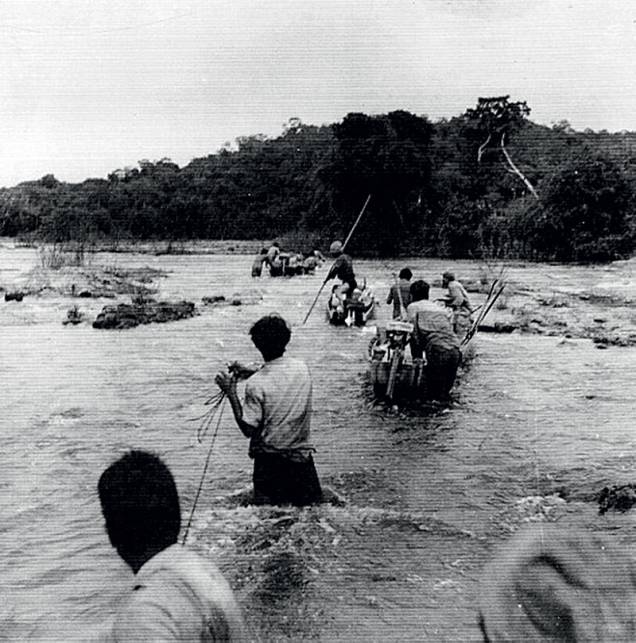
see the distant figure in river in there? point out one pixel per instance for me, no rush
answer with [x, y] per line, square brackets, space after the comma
[259, 260]
[310, 263]
[400, 290]
[548, 584]
[273, 252]
[177, 594]
[313, 260]
[294, 264]
[457, 300]
[276, 417]
[337, 302]
[434, 335]
[338, 296]
[321, 258]
[342, 267]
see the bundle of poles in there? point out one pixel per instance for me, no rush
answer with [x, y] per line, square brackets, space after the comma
[496, 288]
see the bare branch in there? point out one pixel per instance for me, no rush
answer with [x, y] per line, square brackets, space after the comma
[515, 169]
[482, 147]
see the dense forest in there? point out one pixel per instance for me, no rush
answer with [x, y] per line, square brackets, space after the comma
[488, 183]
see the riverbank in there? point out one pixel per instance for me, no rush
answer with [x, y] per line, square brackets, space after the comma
[158, 248]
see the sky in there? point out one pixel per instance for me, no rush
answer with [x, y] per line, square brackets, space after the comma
[87, 87]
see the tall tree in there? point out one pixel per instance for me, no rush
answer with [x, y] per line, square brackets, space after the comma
[386, 156]
[585, 212]
[494, 120]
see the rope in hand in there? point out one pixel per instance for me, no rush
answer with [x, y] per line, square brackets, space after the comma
[216, 412]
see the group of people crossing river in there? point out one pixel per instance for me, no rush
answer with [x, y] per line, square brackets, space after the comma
[180, 596]
[286, 264]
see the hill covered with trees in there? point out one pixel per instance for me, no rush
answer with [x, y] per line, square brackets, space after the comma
[487, 183]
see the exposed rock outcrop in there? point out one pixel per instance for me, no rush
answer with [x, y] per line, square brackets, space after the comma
[131, 315]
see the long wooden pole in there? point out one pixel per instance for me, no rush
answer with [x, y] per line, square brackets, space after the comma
[344, 245]
[355, 225]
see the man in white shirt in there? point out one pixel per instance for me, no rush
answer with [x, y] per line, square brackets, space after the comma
[276, 417]
[458, 301]
[177, 594]
[433, 334]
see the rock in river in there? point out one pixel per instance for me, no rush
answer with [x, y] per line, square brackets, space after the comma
[131, 315]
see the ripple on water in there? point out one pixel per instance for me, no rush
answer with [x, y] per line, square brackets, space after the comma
[532, 418]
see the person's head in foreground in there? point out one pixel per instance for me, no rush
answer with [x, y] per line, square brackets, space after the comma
[141, 507]
[419, 290]
[447, 277]
[406, 274]
[270, 335]
[335, 249]
[548, 584]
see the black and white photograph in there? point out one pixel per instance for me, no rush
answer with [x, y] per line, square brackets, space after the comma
[318, 320]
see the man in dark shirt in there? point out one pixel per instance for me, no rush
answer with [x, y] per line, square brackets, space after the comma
[400, 293]
[342, 267]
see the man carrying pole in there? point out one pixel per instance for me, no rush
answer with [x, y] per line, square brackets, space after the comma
[337, 249]
[342, 267]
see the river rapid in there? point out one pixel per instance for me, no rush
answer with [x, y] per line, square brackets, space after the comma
[538, 425]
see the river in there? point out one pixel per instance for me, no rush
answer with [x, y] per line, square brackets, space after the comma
[538, 424]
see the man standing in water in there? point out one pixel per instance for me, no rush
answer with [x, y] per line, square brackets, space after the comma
[276, 418]
[458, 301]
[434, 335]
[273, 252]
[342, 267]
[177, 595]
[259, 260]
[400, 293]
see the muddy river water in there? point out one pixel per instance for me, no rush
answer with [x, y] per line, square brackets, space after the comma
[538, 425]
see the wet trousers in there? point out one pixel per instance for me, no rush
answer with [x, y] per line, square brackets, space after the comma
[281, 481]
[441, 370]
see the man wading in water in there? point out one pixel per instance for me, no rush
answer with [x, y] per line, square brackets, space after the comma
[457, 300]
[433, 334]
[275, 417]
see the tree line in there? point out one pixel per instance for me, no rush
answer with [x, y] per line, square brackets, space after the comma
[487, 183]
